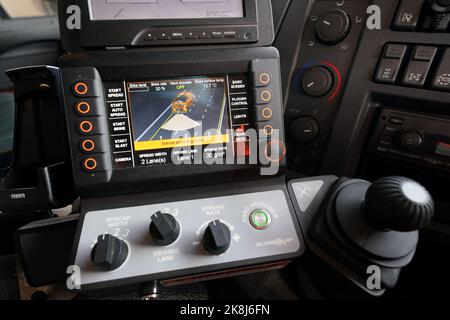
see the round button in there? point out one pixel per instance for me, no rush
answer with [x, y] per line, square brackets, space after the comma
[260, 219]
[268, 130]
[83, 108]
[305, 129]
[90, 164]
[410, 140]
[275, 151]
[86, 126]
[264, 78]
[267, 113]
[266, 96]
[81, 88]
[317, 81]
[333, 27]
[87, 145]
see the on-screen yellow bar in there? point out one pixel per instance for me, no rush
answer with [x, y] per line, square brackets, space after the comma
[180, 142]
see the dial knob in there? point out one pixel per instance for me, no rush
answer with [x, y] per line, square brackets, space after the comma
[410, 140]
[317, 81]
[217, 238]
[333, 27]
[398, 203]
[164, 229]
[305, 129]
[109, 252]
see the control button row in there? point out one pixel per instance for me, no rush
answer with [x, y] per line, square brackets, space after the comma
[417, 70]
[224, 35]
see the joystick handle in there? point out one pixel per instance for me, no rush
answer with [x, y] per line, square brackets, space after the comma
[398, 203]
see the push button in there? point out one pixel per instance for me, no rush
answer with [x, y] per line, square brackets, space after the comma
[262, 79]
[86, 89]
[408, 14]
[87, 146]
[275, 151]
[263, 96]
[395, 51]
[424, 53]
[86, 127]
[441, 80]
[264, 114]
[89, 164]
[83, 108]
[416, 73]
[260, 219]
[418, 68]
[81, 89]
[388, 70]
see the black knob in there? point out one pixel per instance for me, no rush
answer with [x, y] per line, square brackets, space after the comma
[305, 129]
[164, 229]
[317, 81]
[109, 252]
[333, 27]
[217, 238]
[398, 203]
[410, 140]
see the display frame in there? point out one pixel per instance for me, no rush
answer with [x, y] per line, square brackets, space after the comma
[126, 32]
[139, 64]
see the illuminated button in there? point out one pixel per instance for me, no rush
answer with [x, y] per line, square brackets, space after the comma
[265, 78]
[267, 113]
[260, 219]
[83, 108]
[89, 164]
[87, 145]
[80, 88]
[266, 95]
[86, 127]
[268, 130]
[275, 151]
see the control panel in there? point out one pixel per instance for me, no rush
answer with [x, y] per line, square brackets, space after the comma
[413, 137]
[330, 39]
[166, 240]
[426, 67]
[127, 127]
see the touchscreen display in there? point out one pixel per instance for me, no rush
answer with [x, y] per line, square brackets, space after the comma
[165, 9]
[172, 121]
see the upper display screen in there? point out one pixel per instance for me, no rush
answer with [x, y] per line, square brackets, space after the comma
[165, 9]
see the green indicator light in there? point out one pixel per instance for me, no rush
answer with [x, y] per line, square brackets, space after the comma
[260, 219]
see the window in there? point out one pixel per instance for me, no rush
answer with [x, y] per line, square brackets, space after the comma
[15, 9]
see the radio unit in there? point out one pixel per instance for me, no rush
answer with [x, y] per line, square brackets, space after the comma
[168, 23]
[413, 137]
[142, 117]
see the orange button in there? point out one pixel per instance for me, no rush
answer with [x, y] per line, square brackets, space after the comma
[88, 145]
[90, 164]
[267, 113]
[268, 130]
[266, 96]
[264, 78]
[83, 107]
[278, 148]
[81, 88]
[86, 126]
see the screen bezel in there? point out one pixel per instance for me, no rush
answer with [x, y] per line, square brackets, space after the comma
[125, 31]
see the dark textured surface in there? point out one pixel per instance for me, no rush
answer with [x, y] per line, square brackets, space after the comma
[9, 289]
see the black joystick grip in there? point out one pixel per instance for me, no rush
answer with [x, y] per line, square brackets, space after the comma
[398, 203]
